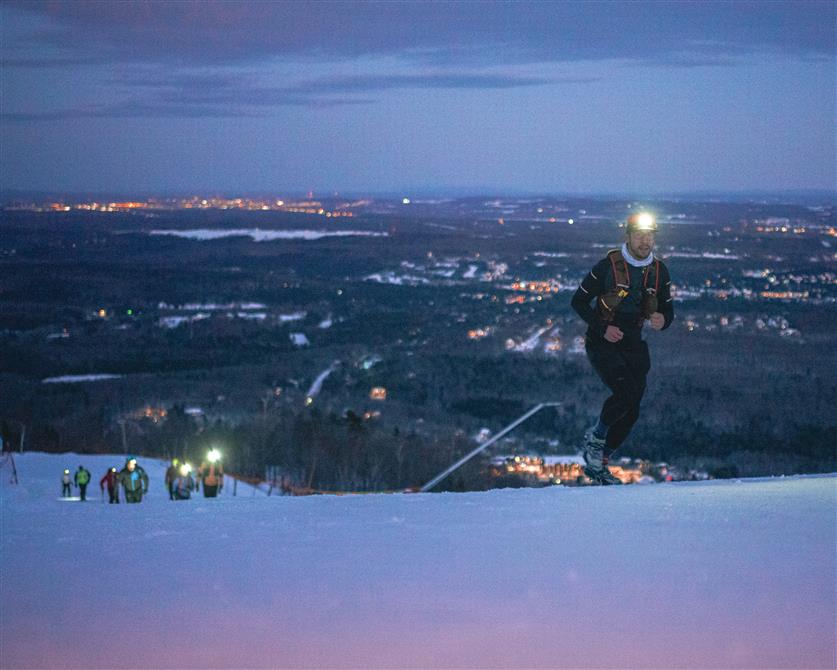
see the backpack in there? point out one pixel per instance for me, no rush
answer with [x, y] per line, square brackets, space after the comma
[608, 302]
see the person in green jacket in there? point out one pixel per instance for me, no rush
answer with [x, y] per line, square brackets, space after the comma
[82, 479]
[134, 481]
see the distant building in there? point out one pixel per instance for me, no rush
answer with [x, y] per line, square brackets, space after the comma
[540, 469]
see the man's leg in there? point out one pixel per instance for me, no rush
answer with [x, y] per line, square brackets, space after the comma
[623, 371]
[632, 379]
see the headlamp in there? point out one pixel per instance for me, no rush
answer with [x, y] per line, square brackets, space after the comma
[642, 222]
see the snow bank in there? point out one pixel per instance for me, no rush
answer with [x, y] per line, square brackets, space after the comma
[259, 235]
[690, 575]
[299, 339]
[76, 379]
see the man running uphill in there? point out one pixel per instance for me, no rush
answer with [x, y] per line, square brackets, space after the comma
[629, 286]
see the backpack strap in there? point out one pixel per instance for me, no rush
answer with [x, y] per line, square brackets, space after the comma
[621, 276]
[656, 276]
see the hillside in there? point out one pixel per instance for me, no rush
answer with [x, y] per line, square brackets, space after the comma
[735, 573]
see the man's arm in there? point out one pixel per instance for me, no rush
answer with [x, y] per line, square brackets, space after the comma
[591, 288]
[665, 301]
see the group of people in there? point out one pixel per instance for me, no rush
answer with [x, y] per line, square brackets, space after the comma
[81, 479]
[133, 480]
[180, 482]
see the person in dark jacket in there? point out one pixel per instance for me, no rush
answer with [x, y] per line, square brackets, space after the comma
[111, 479]
[628, 287]
[171, 474]
[82, 479]
[134, 481]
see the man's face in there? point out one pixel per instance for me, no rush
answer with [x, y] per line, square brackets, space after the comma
[641, 243]
[131, 466]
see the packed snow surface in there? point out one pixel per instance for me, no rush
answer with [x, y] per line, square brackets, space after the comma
[717, 574]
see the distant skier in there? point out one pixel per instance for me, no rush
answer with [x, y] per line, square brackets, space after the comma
[171, 474]
[183, 484]
[111, 479]
[82, 479]
[629, 286]
[66, 490]
[134, 481]
[211, 474]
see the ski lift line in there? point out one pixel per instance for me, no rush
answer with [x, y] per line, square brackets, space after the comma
[537, 408]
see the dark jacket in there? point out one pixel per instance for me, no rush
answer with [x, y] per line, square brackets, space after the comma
[600, 280]
[111, 478]
[134, 481]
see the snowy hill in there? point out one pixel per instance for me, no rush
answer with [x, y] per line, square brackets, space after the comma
[701, 574]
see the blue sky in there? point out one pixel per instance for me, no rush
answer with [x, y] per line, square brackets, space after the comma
[632, 97]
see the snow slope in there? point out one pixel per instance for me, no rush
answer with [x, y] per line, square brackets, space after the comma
[701, 575]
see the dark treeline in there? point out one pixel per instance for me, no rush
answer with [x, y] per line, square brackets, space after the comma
[346, 452]
[314, 449]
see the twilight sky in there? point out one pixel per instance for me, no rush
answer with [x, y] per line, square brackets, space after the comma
[631, 97]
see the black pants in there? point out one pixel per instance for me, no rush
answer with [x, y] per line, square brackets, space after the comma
[65, 490]
[623, 367]
[83, 491]
[113, 495]
[210, 491]
[133, 496]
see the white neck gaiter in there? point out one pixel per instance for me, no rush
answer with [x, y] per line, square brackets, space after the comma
[626, 254]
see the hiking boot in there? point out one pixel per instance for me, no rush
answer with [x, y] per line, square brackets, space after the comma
[607, 478]
[593, 452]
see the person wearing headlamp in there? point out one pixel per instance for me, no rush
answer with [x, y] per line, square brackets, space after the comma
[211, 474]
[183, 484]
[134, 481]
[624, 290]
